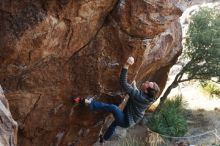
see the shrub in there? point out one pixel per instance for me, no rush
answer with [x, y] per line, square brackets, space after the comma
[211, 88]
[170, 119]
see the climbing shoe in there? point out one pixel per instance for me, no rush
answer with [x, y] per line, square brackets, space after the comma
[101, 139]
[78, 100]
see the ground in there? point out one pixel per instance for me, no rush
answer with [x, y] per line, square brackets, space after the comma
[204, 114]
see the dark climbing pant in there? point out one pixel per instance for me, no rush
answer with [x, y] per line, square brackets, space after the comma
[120, 118]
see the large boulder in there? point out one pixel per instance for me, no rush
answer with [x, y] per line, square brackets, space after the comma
[53, 49]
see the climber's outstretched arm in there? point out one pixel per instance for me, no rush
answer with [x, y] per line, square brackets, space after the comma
[124, 75]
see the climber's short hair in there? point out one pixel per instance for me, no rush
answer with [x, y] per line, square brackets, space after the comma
[151, 88]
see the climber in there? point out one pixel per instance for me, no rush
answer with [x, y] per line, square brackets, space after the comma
[134, 110]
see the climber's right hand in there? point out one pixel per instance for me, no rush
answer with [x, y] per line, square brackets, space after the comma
[130, 60]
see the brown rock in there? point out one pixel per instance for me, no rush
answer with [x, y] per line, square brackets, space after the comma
[146, 18]
[53, 49]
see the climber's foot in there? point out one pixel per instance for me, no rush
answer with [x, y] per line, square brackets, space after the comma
[101, 140]
[77, 100]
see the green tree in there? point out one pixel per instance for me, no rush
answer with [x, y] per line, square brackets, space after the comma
[200, 59]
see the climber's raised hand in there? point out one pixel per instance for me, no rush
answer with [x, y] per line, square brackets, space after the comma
[129, 62]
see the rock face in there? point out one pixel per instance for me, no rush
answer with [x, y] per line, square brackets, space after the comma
[8, 127]
[53, 49]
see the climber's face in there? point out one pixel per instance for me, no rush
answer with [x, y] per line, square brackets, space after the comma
[147, 85]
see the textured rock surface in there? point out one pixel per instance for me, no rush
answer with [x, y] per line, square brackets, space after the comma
[8, 127]
[53, 49]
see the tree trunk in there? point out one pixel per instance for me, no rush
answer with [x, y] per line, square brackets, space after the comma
[168, 90]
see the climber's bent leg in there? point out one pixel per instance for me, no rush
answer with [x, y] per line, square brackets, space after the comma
[115, 110]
